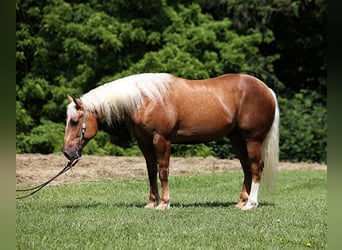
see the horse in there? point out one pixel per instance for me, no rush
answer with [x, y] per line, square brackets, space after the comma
[160, 109]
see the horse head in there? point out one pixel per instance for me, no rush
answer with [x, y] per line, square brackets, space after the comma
[81, 126]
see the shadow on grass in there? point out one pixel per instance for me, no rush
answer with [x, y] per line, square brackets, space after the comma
[213, 204]
[101, 204]
[203, 204]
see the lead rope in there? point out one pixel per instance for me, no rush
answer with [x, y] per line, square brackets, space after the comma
[68, 166]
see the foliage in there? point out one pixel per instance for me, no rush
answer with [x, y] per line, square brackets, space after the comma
[45, 138]
[110, 215]
[222, 148]
[193, 43]
[295, 29]
[100, 145]
[69, 47]
[303, 129]
[185, 150]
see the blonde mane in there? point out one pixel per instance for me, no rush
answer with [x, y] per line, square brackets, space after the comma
[112, 100]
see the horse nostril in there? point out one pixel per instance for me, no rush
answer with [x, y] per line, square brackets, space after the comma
[66, 154]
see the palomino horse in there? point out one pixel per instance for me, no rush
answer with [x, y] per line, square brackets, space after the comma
[160, 109]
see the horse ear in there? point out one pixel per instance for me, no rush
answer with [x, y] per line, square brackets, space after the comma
[71, 99]
[77, 101]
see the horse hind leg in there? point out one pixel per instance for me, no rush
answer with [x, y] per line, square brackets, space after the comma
[249, 154]
[240, 150]
[256, 166]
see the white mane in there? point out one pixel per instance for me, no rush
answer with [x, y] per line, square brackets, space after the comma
[113, 99]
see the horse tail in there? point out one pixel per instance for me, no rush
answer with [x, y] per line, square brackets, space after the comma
[270, 149]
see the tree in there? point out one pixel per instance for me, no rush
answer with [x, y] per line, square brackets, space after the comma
[293, 35]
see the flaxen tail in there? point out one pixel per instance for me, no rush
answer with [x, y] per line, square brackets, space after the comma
[270, 150]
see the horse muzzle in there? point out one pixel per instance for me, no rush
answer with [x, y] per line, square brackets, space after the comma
[72, 154]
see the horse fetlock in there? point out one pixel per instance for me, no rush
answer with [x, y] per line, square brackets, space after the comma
[240, 204]
[243, 199]
[163, 205]
[151, 204]
[250, 205]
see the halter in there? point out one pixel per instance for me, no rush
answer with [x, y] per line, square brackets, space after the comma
[83, 125]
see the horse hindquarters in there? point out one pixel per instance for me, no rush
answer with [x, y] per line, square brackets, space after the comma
[263, 157]
[256, 139]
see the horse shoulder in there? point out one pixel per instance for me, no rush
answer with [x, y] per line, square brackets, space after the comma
[153, 117]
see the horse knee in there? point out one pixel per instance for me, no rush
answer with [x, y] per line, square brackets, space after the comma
[163, 174]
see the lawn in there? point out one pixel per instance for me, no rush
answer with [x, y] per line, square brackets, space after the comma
[110, 215]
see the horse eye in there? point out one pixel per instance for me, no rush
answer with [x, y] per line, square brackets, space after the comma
[73, 123]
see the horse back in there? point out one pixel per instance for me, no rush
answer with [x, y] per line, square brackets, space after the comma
[203, 110]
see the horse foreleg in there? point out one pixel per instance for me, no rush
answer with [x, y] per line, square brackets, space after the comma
[151, 163]
[256, 167]
[163, 151]
[154, 194]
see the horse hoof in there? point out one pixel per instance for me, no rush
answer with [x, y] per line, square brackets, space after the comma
[163, 206]
[151, 205]
[249, 205]
[240, 205]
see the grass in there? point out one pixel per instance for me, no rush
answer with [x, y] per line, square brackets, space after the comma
[110, 215]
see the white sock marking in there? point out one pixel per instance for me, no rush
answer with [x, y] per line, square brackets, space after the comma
[253, 196]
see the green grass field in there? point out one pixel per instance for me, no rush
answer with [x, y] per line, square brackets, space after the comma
[110, 215]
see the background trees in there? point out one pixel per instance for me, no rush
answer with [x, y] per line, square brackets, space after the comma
[69, 47]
